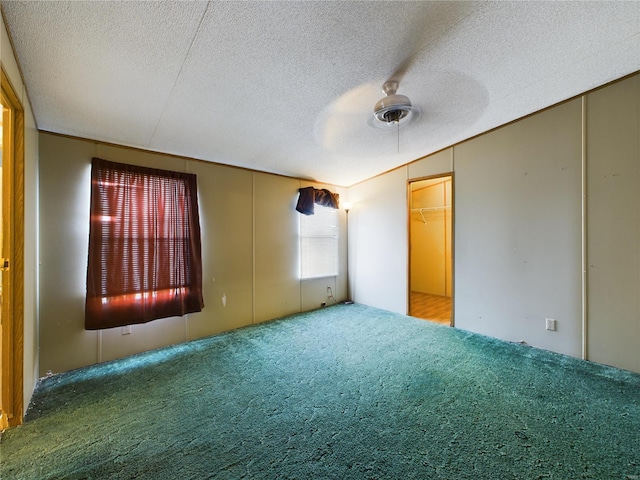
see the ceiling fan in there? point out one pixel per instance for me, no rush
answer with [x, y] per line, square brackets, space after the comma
[359, 124]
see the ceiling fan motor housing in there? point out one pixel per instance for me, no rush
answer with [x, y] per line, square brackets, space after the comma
[393, 107]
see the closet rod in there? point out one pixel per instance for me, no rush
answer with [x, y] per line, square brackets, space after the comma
[430, 208]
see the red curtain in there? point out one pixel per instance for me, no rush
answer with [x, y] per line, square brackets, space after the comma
[144, 245]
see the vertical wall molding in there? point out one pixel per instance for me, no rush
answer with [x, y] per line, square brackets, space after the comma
[253, 247]
[585, 264]
[453, 159]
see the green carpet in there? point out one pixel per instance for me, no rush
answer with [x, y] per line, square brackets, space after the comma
[347, 392]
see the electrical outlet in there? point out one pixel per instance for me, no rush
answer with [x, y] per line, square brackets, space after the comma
[126, 330]
[328, 290]
[550, 324]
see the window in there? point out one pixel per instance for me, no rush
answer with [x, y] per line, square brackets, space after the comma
[319, 243]
[144, 245]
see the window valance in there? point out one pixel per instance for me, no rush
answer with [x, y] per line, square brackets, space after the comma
[309, 196]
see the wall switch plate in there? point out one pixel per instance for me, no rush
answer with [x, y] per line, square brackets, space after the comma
[550, 324]
[126, 330]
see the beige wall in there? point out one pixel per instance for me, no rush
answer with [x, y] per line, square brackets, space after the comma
[613, 221]
[378, 241]
[249, 241]
[30, 365]
[518, 229]
[378, 233]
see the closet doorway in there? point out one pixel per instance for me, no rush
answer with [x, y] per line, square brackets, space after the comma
[430, 249]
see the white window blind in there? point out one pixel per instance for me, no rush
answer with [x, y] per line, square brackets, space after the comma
[319, 243]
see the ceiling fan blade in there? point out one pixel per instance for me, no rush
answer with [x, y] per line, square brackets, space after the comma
[427, 26]
[401, 70]
[415, 39]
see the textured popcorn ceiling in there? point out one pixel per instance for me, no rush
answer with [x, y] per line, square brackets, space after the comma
[288, 87]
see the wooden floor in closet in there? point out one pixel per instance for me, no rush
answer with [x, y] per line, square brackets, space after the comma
[430, 307]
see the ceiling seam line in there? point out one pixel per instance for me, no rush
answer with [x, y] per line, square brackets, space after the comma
[175, 82]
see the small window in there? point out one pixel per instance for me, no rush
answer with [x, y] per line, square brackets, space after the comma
[144, 245]
[319, 243]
